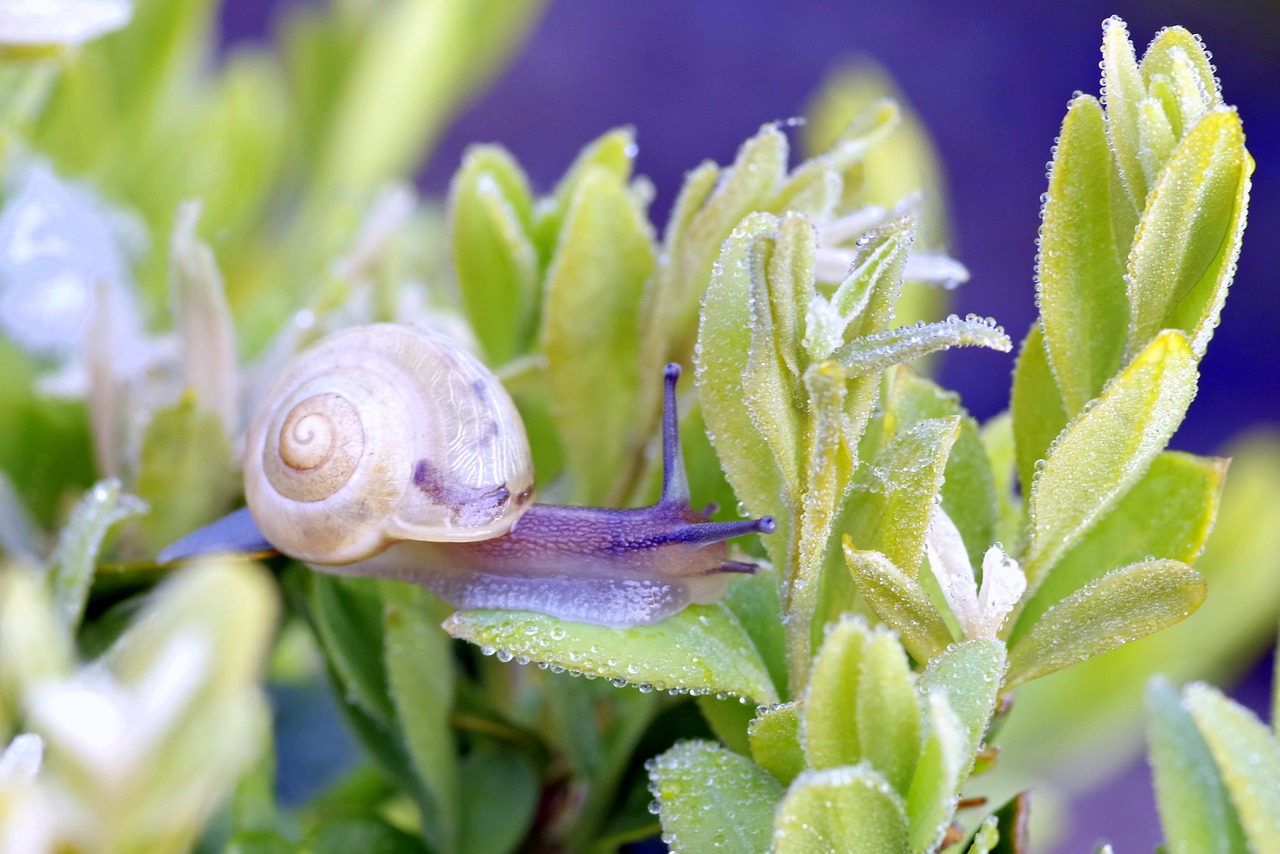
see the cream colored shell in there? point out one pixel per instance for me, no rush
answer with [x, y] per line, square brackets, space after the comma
[380, 434]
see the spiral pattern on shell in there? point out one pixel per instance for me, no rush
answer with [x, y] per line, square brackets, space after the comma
[384, 433]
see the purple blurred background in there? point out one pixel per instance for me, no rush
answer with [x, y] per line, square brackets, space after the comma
[991, 80]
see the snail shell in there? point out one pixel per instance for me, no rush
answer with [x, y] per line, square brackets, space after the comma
[380, 434]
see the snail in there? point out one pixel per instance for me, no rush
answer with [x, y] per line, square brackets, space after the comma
[390, 451]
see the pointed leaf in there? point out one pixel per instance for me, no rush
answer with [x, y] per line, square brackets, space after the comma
[593, 291]
[1039, 415]
[1167, 514]
[699, 812]
[1185, 249]
[900, 601]
[493, 256]
[1081, 270]
[1247, 754]
[969, 675]
[852, 810]
[419, 661]
[1177, 57]
[498, 793]
[702, 649]
[1123, 605]
[1195, 808]
[887, 714]
[774, 734]
[1108, 448]
[613, 153]
[873, 353]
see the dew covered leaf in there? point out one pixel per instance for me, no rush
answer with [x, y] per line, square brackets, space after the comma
[890, 510]
[1038, 413]
[103, 507]
[1125, 90]
[1176, 60]
[722, 360]
[1167, 514]
[1195, 807]
[1108, 448]
[931, 800]
[496, 262]
[968, 674]
[713, 799]
[774, 735]
[887, 713]
[1247, 754]
[1188, 239]
[1080, 279]
[703, 649]
[832, 699]
[872, 353]
[594, 287]
[848, 809]
[1122, 606]
[900, 601]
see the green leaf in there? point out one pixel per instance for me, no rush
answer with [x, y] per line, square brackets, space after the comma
[1195, 808]
[1080, 281]
[1039, 415]
[103, 507]
[1247, 754]
[186, 474]
[611, 153]
[890, 510]
[729, 719]
[969, 675]
[887, 714]
[259, 842]
[493, 256]
[832, 698]
[1124, 91]
[1108, 448]
[702, 649]
[875, 352]
[722, 360]
[499, 795]
[900, 601]
[1123, 605]
[931, 797]
[774, 734]
[1176, 59]
[417, 648]
[699, 812]
[1185, 249]
[594, 287]
[347, 613]
[850, 809]
[1167, 514]
[368, 834]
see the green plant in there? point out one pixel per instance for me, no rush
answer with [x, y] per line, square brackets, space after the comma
[924, 566]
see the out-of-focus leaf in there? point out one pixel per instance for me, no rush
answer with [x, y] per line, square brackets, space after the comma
[969, 675]
[702, 648]
[1038, 413]
[1247, 754]
[498, 795]
[887, 713]
[186, 474]
[699, 812]
[775, 741]
[753, 599]
[102, 507]
[1123, 605]
[594, 288]
[611, 153]
[368, 833]
[1081, 269]
[1195, 807]
[847, 809]
[419, 662]
[347, 613]
[900, 601]
[1167, 514]
[729, 719]
[931, 798]
[259, 842]
[1108, 448]
[1185, 249]
[490, 217]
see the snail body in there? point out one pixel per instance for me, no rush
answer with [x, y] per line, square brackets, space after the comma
[389, 451]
